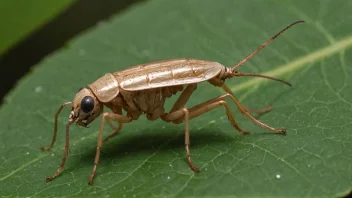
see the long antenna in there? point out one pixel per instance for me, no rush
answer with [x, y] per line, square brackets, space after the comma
[261, 76]
[262, 46]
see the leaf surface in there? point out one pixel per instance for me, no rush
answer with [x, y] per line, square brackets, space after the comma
[147, 159]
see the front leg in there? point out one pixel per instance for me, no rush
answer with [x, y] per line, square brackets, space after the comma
[106, 116]
[115, 130]
[117, 109]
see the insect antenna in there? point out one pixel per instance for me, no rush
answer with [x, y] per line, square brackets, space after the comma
[259, 75]
[55, 127]
[233, 69]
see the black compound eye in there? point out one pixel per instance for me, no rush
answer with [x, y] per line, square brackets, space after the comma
[87, 104]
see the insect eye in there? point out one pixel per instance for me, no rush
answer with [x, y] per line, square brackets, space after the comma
[87, 104]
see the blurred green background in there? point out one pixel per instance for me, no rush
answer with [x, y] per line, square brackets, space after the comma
[32, 29]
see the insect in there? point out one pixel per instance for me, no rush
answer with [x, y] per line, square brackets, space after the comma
[143, 89]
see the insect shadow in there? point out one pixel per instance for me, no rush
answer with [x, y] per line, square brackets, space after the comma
[117, 148]
[159, 141]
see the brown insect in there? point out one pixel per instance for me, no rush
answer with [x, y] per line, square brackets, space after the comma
[143, 89]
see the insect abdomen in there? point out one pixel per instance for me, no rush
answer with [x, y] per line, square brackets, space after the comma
[167, 73]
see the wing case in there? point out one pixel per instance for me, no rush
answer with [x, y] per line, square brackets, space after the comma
[167, 73]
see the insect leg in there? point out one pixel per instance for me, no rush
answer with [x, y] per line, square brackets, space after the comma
[106, 116]
[188, 114]
[180, 103]
[184, 114]
[115, 129]
[209, 105]
[259, 111]
[65, 153]
[184, 97]
[244, 111]
[218, 82]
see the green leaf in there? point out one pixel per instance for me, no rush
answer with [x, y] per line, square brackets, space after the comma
[20, 18]
[148, 158]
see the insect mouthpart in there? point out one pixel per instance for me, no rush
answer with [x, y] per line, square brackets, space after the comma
[85, 120]
[74, 117]
[71, 117]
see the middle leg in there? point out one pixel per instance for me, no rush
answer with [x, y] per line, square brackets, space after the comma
[188, 114]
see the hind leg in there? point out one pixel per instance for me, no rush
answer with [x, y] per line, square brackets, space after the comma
[244, 111]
